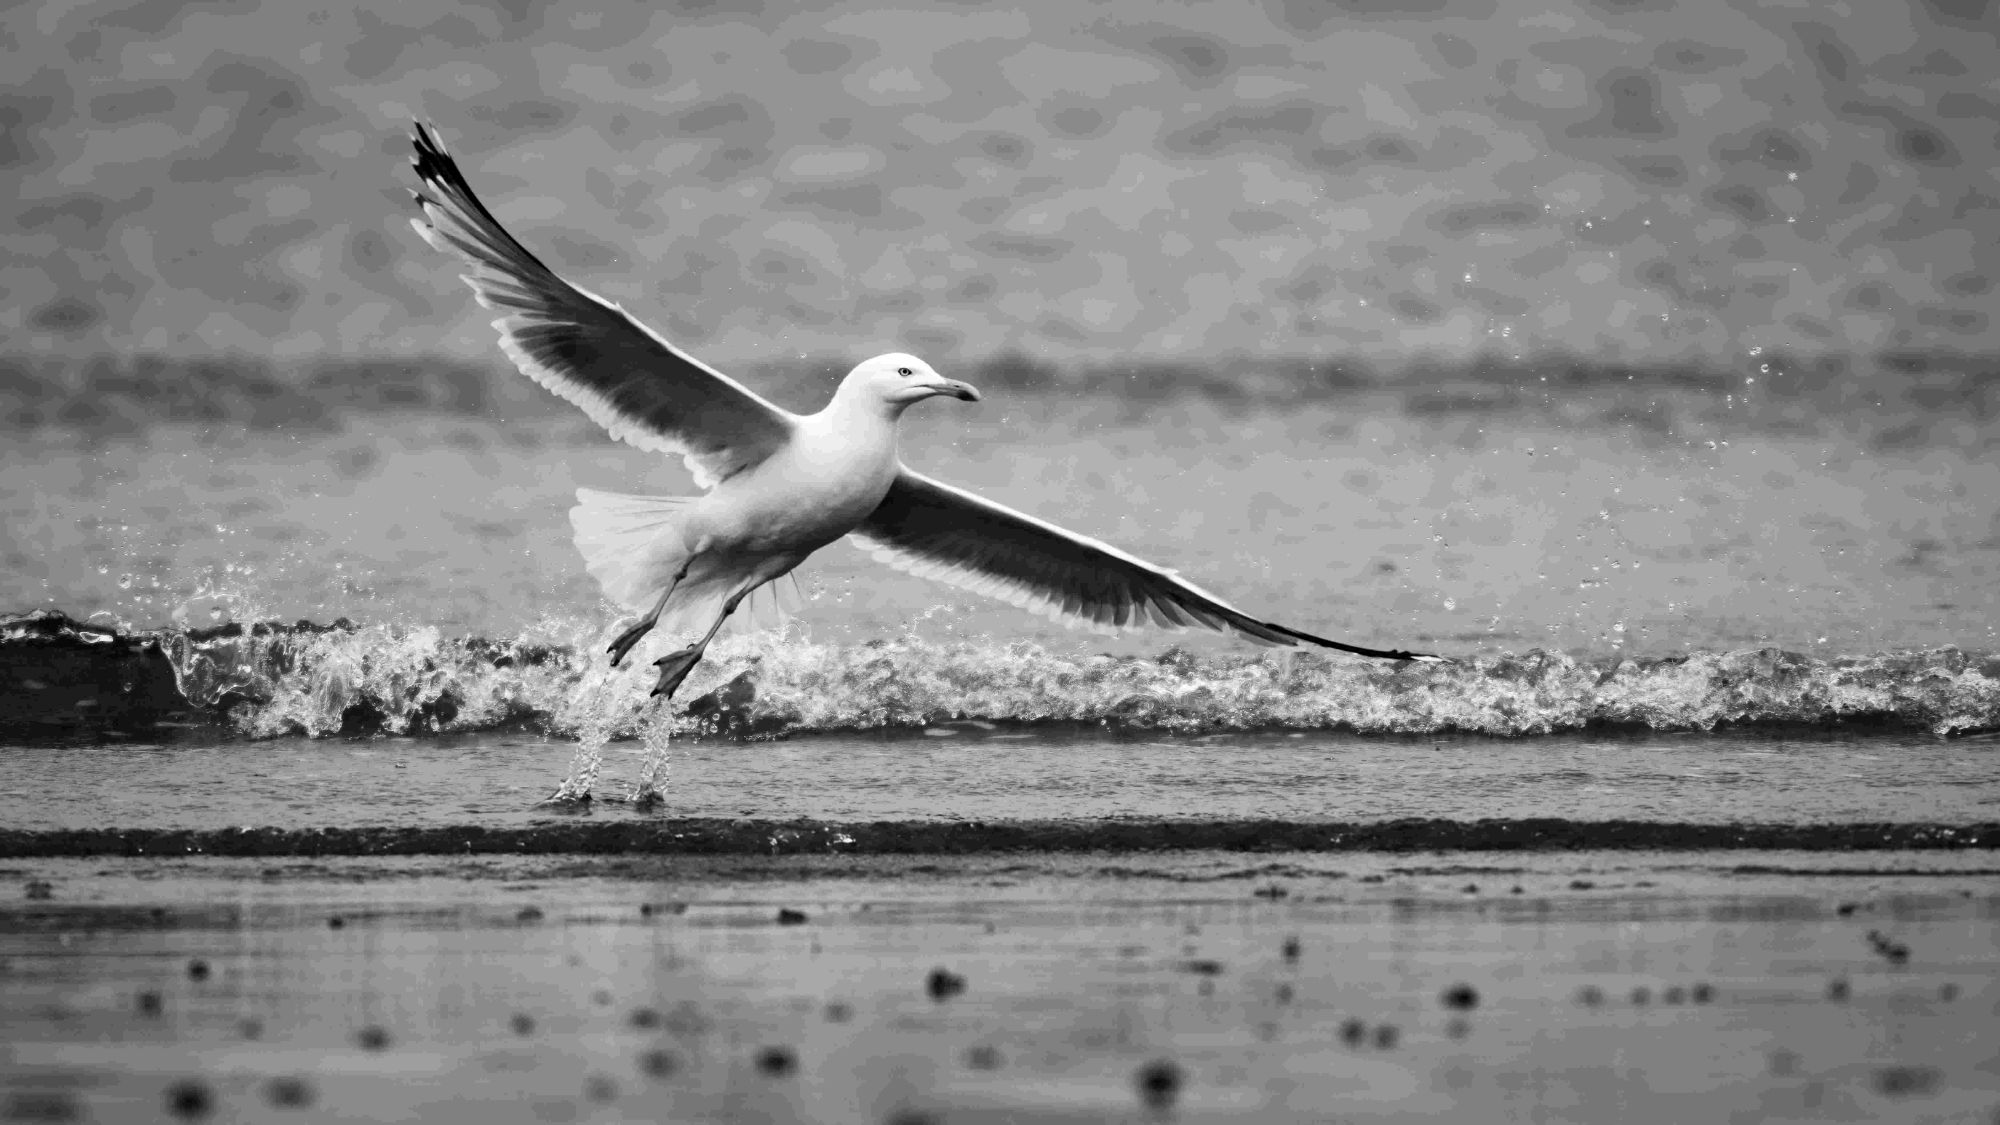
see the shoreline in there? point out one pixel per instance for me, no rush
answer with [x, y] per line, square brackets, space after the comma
[748, 837]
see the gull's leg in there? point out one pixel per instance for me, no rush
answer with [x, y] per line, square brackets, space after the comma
[675, 668]
[632, 636]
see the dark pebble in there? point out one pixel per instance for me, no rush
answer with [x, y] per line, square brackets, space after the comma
[1516, 890]
[1590, 996]
[522, 1023]
[1460, 997]
[197, 969]
[1386, 1036]
[1203, 966]
[600, 1088]
[838, 1012]
[1581, 884]
[1642, 996]
[1274, 893]
[150, 1003]
[1282, 994]
[1846, 909]
[1159, 1084]
[777, 1061]
[1702, 993]
[789, 917]
[288, 1092]
[944, 984]
[1905, 1081]
[1352, 1032]
[982, 1057]
[658, 1063]
[645, 910]
[250, 1027]
[1947, 992]
[1470, 888]
[1836, 989]
[335, 922]
[1291, 949]
[1674, 995]
[372, 1038]
[528, 914]
[190, 1099]
[645, 1018]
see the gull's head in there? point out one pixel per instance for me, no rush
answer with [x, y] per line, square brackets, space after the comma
[898, 379]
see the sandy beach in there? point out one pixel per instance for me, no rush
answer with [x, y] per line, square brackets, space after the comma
[1187, 986]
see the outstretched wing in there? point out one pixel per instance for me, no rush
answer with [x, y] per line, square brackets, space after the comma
[930, 529]
[636, 385]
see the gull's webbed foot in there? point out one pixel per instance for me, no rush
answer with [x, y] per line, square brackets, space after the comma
[623, 645]
[674, 669]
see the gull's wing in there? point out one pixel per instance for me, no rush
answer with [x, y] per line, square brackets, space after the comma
[929, 528]
[638, 386]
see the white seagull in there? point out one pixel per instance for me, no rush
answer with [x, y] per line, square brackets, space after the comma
[780, 485]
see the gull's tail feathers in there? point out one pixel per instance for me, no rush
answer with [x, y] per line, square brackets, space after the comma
[630, 544]
[633, 546]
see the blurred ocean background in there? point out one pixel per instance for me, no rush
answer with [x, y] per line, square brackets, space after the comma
[1641, 355]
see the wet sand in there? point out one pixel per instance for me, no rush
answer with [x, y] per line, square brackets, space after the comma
[1582, 986]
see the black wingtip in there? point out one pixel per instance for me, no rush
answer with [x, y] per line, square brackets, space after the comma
[1403, 655]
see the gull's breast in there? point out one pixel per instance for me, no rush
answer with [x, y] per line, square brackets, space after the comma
[808, 494]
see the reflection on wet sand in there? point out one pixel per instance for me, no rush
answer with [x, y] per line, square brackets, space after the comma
[1209, 986]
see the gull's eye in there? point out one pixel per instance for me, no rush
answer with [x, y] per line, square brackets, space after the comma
[904, 371]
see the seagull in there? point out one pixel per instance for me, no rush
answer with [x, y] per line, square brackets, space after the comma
[780, 486]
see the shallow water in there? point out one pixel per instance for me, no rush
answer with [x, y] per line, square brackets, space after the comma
[964, 772]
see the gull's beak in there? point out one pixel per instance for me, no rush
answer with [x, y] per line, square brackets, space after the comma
[964, 392]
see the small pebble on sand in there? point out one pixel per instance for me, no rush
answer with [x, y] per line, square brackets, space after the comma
[645, 1018]
[777, 1061]
[372, 1038]
[190, 1099]
[789, 917]
[150, 1003]
[289, 1092]
[1291, 949]
[1386, 1036]
[658, 1063]
[522, 1023]
[1837, 989]
[982, 1057]
[1590, 996]
[1460, 997]
[838, 1012]
[197, 970]
[943, 984]
[1352, 1032]
[1159, 1084]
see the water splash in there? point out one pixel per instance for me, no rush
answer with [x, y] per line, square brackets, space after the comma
[318, 681]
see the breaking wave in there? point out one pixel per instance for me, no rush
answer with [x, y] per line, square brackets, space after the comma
[274, 680]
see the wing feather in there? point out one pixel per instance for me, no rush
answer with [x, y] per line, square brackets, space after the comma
[933, 530]
[627, 378]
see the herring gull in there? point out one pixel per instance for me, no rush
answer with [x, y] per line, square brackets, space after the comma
[779, 485]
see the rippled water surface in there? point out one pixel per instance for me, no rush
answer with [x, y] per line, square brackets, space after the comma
[964, 771]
